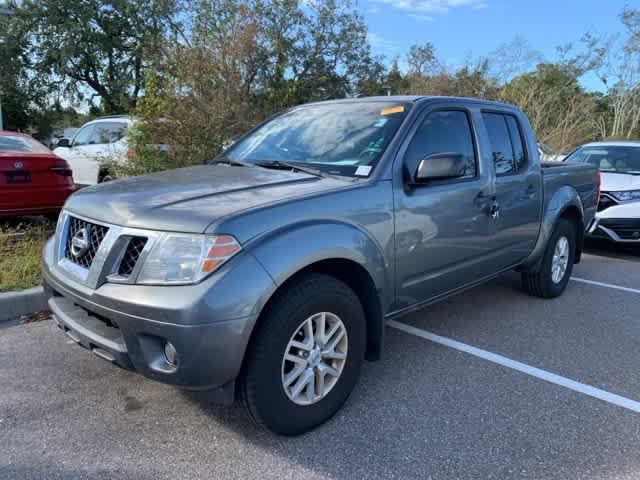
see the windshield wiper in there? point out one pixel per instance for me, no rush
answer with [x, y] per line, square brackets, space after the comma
[229, 161]
[277, 164]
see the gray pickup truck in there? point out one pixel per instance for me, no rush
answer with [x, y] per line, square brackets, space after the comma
[269, 273]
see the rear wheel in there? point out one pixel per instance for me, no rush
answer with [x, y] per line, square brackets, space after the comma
[557, 263]
[306, 356]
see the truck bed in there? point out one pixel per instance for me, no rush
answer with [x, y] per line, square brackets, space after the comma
[556, 175]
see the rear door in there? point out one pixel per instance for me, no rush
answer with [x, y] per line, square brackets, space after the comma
[442, 227]
[516, 221]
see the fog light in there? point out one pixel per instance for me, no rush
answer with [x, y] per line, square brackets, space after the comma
[170, 354]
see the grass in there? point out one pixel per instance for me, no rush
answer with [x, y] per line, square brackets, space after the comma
[21, 243]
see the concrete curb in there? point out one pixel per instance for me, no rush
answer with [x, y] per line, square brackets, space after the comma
[14, 304]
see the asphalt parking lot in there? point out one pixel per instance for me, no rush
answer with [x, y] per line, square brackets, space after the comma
[527, 389]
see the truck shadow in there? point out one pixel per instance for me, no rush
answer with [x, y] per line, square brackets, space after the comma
[603, 248]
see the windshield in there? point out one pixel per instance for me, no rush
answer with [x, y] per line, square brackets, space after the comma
[18, 143]
[614, 159]
[336, 138]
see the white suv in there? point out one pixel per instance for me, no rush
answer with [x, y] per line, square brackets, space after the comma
[618, 217]
[98, 144]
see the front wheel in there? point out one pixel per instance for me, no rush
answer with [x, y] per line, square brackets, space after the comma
[305, 357]
[557, 263]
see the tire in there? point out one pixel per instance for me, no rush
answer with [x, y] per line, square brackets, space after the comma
[262, 382]
[542, 283]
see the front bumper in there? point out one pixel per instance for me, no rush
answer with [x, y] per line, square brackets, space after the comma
[618, 223]
[209, 323]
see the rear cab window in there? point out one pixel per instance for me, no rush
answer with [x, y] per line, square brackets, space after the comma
[505, 139]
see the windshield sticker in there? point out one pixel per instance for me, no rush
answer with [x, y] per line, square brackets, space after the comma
[392, 110]
[363, 170]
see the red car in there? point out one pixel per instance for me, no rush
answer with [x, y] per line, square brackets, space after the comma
[32, 179]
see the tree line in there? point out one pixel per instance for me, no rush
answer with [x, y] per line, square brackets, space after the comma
[199, 73]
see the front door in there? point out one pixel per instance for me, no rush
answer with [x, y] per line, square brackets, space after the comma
[81, 157]
[442, 227]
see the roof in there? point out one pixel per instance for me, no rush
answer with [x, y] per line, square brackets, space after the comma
[110, 118]
[414, 99]
[9, 133]
[614, 143]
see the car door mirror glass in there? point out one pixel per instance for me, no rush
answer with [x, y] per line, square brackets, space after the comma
[64, 142]
[440, 166]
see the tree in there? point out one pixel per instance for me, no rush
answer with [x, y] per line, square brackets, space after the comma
[422, 59]
[97, 47]
[620, 71]
[241, 61]
[560, 112]
[17, 92]
[514, 58]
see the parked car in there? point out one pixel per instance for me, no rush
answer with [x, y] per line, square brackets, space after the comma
[95, 147]
[32, 179]
[618, 217]
[58, 134]
[548, 154]
[271, 272]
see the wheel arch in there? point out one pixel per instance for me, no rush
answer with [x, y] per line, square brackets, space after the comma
[574, 215]
[565, 203]
[342, 251]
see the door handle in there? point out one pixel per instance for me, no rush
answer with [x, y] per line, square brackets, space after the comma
[482, 199]
[494, 210]
[531, 190]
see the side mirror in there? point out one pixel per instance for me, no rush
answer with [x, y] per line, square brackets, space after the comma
[438, 166]
[64, 142]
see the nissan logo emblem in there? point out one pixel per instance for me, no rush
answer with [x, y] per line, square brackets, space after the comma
[80, 242]
[18, 165]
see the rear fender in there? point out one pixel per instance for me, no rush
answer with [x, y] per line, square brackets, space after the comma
[563, 199]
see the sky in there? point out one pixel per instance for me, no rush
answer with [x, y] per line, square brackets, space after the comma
[460, 28]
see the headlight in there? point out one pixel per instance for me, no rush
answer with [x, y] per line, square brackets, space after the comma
[626, 196]
[179, 259]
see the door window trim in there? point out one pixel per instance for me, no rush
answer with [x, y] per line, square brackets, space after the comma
[474, 140]
[88, 127]
[516, 171]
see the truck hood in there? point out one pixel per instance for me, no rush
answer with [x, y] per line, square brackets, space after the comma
[617, 182]
[189, 199]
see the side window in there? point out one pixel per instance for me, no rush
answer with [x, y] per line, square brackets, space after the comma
[108, 132]
[516, 141]
[82, 137]
[501, 149]
[443, 132]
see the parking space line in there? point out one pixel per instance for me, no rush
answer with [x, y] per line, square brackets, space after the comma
[608, 285]
[520, 367]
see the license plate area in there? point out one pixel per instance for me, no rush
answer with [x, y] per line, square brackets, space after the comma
[18, 178]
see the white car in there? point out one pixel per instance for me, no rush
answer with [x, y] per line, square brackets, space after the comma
[618, 217]
[98, 144]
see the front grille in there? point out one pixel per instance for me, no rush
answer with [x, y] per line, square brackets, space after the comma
[625, 228]
[83, 231]
[131, 255]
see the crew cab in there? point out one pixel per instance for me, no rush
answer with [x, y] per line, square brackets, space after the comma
[268, 274]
